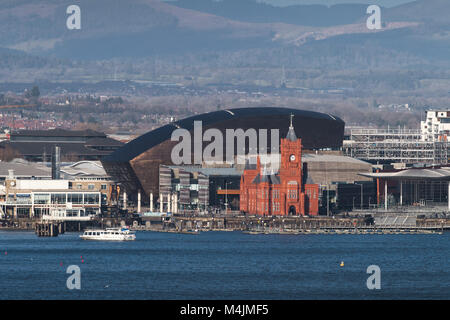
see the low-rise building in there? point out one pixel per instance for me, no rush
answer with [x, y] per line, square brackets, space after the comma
[27, 190]
[39, 198]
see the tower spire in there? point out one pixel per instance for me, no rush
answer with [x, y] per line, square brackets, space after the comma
[291, 133]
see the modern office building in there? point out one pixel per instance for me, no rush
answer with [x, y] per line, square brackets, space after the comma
[199, 188]
[426, 187]
[436, 126]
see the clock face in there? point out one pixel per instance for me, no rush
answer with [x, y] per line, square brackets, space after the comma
[292, 157]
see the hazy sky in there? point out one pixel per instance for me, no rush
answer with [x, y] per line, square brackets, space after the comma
[384, 3]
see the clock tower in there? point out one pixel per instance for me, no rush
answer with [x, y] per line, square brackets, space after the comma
[280, 193]
[291, 155]
[291, 172]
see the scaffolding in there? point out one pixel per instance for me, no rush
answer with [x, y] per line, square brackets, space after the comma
[395, 145]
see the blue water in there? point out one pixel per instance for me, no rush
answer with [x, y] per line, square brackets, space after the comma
[225, 265]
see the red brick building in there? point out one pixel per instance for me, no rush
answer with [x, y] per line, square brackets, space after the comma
[282, 193]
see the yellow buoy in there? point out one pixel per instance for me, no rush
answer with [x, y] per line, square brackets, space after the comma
[342, 263]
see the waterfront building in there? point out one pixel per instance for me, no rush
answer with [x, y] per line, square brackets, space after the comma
[136, 165]
[420, 189]
[27, 190]
[264, 192]
[38, 198]
[200, 188]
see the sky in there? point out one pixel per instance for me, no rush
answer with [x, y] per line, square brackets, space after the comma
[384, 3]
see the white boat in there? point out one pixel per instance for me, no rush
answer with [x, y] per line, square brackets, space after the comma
[109, 234]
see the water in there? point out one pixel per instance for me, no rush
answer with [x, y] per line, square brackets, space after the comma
[225, 265]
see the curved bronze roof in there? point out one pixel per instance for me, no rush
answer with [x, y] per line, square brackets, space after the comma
[317, 130]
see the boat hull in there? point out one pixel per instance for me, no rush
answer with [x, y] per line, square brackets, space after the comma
[111, 234]
[96, 238]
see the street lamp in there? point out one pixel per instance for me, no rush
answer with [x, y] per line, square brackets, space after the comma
[328, 200]
[226, 196]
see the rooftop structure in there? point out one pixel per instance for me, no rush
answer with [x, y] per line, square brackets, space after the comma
[395, 145]
[21, 169]
[37, 145]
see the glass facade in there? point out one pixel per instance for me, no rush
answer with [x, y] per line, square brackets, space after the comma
[75, 198]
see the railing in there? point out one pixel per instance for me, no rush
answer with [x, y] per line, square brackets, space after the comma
[386, 131]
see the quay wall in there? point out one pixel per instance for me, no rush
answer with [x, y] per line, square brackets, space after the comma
[228, 223]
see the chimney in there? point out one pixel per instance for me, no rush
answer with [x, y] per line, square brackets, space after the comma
[11, 174]
[56, 163]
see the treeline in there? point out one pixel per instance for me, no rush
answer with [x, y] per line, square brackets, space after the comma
[10, 59]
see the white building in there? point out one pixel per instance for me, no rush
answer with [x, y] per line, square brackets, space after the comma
[47, 199]
[436, 126]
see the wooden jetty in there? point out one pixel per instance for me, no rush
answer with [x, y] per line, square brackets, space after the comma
[49, 229]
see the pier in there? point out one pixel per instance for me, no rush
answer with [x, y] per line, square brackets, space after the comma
[49, 229]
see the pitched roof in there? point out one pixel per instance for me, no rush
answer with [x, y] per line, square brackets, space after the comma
[24, 169]
[58, 133]
[271, 178]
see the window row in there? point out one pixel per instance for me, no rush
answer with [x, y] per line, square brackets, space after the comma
[62, 198]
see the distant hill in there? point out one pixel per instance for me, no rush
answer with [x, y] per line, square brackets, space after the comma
[431, 12]
[203, 35]
[139, 28]
[120, 28]
[252, 11]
